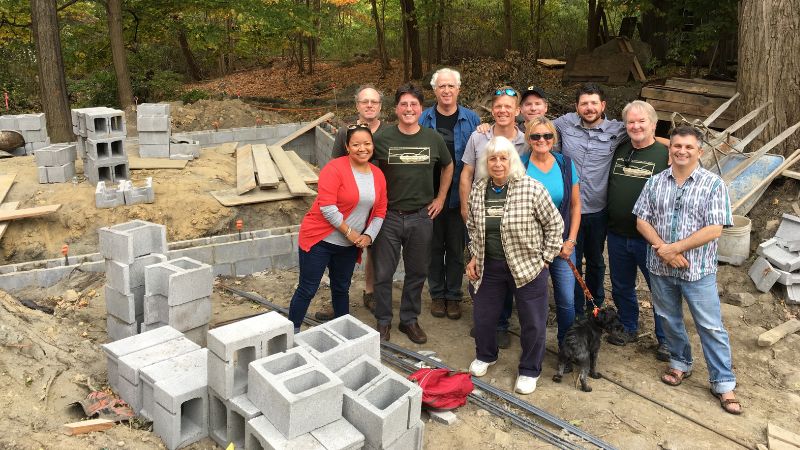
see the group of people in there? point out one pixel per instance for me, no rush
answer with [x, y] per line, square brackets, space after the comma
[530, 199]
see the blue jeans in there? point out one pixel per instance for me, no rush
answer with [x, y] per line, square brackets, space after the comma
[625, 254]
[340, 262]
[703, 301]
[591, 241]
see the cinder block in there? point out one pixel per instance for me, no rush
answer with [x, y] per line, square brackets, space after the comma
[104, 122]
[261, 434]
[80, 145]
[410, 440]
[180, 280]
[106, 149]
[56, 155]
[294, 392]
[789, 229]
[779, 256]
[143, 194]
[57, 174]
[117, 329]
[153, 109]
[340, 341]
[245, 134]
[788, 278]
[32, 136]
[763, 274]
[109, 197]
[198, 335]
[126, 241]
[218, 428]
[792, 294]
[202, 253]
[116, 350]
[41, 172]
[184, 148]
[250, 266]
[186, 427]
[110, 170]
[152, 123]
[340, 434]
[221, 136]
[128, 308]
[123, 277]
[154, 150]
[382, 411]
[32, 122]
[240, 411]
[183, 317]
[267, 333]
[160, 138]
[179, 366]
[9, 122]
[245, 249]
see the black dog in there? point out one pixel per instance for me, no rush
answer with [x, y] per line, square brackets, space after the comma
[582, 343]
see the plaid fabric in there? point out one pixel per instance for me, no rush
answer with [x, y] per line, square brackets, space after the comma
[531, 228]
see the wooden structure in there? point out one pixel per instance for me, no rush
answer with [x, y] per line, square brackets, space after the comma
[617, 67]
[691, 98]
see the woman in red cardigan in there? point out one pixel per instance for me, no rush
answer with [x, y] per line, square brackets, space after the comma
[345, 218]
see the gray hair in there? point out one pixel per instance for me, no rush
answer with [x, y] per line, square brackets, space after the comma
[445, 70]
[500, 144]
[367, 86]
[644, 107]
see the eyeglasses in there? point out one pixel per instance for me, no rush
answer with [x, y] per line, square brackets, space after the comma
[369, 102]
[507, 91]
[357, 126]
[537, 136]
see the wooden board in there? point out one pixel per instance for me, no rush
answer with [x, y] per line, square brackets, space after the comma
[551, 63]
[694, 110]
[636, 68]
[678, 96]
[135, 163]
[720, 123]
[697, 88]
[8, 206]
[229, 197]
[303, 130]
[774, 335]
[730, 84]
[227, 148]
[245, 175]
[87, 426]
[614, 68]
[28, 212]
[6, 180]
[303, 168]
[290, 176]
[782, 435]
[265, 168]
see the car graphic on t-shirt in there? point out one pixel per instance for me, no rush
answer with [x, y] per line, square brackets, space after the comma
[409, 155]
[635, 169]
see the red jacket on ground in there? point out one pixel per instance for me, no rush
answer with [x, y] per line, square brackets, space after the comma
[337, 186]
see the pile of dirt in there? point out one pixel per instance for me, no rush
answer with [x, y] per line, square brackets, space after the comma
[210, 114]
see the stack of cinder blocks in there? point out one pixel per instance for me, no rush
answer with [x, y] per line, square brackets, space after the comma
[100, 135]
[128, 249]
[125, 193]
[779, 260]
[178, 294]
[32, 127]
[152, 122]
[163, 377]
[56, 163]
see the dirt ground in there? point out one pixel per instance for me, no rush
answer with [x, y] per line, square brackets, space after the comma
[49, 361]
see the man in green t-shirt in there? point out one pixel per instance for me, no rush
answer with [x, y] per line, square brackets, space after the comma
[407, 154]
[633, 164]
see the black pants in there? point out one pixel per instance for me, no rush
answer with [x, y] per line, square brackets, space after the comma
[446, 271]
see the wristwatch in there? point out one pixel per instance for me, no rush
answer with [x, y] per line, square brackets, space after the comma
[574, 242]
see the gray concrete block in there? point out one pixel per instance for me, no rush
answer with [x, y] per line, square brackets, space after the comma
[141, 194]
[248, 248]
[106, 149]
[229, 378]
[183, 317]
[152, 123]
[410, 440]
[198, 335]
[56, 155]
[56, 174]
[153, 138]
[186, 427]
[126, 241]
[779, 256]
[250, 266]
[222, 136]
[31, 122]
[260, 434]
[294, 392]
[225, 270]
[340, 341]
[340, 434]
[120, 348]
[188, 383]
[154, 150]
[123, 277]
[191, 148]
[240, 411]
[245, 134]
[153, 109]
[105, 122]
[9, 122]
[109, 197]
[789, 229]
[125, 307]
[792, 294]
[180, 280]
[286, 261]
[179, 366]
[763, 274]
[203, 253]
[218, 420]
[117, 329]
[788, 278]
[110, 170]
[267, 334]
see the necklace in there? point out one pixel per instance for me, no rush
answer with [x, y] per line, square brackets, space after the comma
[498, 189]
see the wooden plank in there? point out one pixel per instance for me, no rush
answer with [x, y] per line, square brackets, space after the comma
[706, 89]
[303, 168]
[245, 175]
[551, 63]
[683, 108]
[28, 212]
[721, 109]
[87, 426]
[8, 206]
[636, 69]
[796, 176]
[784, 435]
[667, 116]
[135, 163]
[708, 82]
[303, 130]
[675, 96]
[227, 148]
[6, 180]
[229, 197]
[290, 176]
[772, 336]
[265, 168]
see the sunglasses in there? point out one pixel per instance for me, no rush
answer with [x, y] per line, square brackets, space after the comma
[537, 136]
[507, 91]
[357, 126]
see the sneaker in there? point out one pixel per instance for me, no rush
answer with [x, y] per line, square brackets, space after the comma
[525, 385]
[325, 314]
[662, 352]
[503, 339]
[622, 338]
[438, 308]
[453, 309]
[478, 368]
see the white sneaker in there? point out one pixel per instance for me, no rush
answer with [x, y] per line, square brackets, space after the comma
[525, 385]
[478, 367]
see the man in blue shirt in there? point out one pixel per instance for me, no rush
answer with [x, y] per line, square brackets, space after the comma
[455, 124]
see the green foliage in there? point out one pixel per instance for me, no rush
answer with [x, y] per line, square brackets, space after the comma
[97, 88]
[194, 95]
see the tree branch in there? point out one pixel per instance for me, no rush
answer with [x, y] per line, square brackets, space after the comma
[67, 5]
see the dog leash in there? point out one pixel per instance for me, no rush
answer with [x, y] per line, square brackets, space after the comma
[595, 308]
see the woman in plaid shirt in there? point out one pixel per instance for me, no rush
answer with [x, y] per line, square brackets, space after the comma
[515, 233]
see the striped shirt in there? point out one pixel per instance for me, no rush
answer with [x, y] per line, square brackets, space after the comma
[530, 228]
[678, 211]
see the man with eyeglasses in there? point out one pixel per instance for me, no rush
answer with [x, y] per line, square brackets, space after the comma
[681, 212]
[455, 124]
[408, 154]
[634, 162]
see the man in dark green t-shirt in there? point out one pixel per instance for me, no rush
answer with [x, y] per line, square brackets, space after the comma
[633, 164]
[407, 154]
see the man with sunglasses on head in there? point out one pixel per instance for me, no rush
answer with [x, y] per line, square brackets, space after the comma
[634, 162]
[408, 153]
[455, 124]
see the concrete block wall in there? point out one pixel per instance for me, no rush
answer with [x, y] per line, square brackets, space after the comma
[101, 135]
[178, 294]
[304, 146]
[56, 163]
[323, 145]
[153, 125]
[32, 127]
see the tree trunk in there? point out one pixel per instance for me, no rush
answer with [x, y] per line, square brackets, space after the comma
[538, 40]
[52, 82]
[508, 43]
[439, 26]
[769, 61]
[191, 64]
[412, 33]
[429, 49]
[592, 26]
[380, 40]
[120, 59]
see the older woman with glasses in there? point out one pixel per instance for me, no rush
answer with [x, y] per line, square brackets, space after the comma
[559, 176]
[515, 233]
[344, 219]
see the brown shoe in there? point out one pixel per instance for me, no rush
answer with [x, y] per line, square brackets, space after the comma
[438, 308]
[325, 314]
[369, 301]
[453, 309]
[384, 331]
[414, 332]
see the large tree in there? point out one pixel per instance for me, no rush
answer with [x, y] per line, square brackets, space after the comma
[52, 82]
[120, 59]
[769, 63]
[412, 34]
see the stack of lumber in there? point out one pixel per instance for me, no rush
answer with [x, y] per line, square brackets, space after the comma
[9, 211]
[693, 98]
[612, 63]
